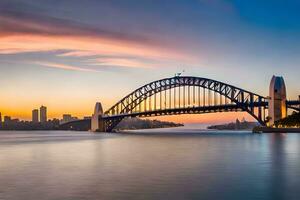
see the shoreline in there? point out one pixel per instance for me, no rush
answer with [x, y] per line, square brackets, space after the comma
[275, 130]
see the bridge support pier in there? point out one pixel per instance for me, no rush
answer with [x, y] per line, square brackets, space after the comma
[277, 101]
[97, 123]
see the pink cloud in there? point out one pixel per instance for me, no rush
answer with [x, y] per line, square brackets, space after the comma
[65, 67]
[43, 34]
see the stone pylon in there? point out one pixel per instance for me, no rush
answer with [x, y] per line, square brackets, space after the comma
[97, 123]
[277, 101]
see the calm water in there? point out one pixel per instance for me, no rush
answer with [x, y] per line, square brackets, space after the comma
[181, 164]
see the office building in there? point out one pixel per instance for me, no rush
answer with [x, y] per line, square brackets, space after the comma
[68, 118]
[35, 115]
[7, 119]
[43, 114]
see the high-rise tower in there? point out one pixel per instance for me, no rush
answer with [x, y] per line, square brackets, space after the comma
[277, 101]
[43, 114]
[35, 115]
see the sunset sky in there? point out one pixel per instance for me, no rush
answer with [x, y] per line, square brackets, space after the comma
[68, 54]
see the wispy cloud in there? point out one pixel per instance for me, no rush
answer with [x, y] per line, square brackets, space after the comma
[14, 23]
[65, 67]
[122, 62]
[21, 33]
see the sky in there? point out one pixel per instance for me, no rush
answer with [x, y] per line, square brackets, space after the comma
[68, 55]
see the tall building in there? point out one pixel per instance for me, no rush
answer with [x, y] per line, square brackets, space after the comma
[277, 102]
[35, 115]
[0, 120]
[68, 118]
[43, 114]
[7, 119]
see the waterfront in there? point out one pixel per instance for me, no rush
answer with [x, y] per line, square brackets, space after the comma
[179, 164]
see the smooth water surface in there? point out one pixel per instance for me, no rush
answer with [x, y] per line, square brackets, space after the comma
[179, 164]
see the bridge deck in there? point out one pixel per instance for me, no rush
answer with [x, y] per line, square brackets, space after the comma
[187, 110]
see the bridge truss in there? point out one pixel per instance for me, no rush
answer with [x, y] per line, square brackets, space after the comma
[185, 95]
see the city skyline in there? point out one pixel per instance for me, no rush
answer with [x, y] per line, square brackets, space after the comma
[68, 57]
[40, 115]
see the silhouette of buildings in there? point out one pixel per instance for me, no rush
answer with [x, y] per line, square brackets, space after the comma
[68, 118]
[35, 116]
[16, 124]
[43, 114]
[238, 125]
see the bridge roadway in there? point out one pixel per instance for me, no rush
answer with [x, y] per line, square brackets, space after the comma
[187, 110]
[295, 105]
[85, 124]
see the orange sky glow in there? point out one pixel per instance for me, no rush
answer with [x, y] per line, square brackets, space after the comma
[69, 65]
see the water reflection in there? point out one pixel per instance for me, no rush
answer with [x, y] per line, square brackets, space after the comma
[285, 163]
[181, 165]
[278, 166]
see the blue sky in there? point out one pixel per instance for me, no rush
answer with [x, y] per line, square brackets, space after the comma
[70, 54]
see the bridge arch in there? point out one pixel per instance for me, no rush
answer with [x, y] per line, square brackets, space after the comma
[185, 94]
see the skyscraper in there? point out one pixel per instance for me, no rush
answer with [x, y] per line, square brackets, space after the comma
[0, 119]
[35, 115]
[7, 119]
[43, 114]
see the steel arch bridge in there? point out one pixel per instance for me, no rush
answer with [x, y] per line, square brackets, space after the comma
[184, 95]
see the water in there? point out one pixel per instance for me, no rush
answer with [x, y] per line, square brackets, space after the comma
[180, 164]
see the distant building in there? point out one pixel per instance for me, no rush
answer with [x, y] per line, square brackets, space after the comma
[87, 117]
[43, 114]
[0, 120]
[15, 120]
[35, 115]
[237, 124]
[7, 119]
[68, 118]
